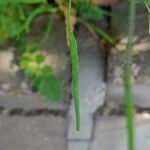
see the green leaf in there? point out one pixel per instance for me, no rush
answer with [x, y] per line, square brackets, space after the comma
[27, 58]
[86, 10]
[24, 62]
[40, 58]
[31, 56]
[25, 1]
[31, 48]
[37, 81]
[31, 70]
[47, 70]
[11, 26]
[50, 87]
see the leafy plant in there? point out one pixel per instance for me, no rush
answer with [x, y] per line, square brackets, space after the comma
[87, 10]
[17, 21]
[41, 75]
[13, 25]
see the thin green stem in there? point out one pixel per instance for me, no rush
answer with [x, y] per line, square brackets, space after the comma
[128, 97]
[36, 12]
[148, 8]
[75, 67]
[49, 27]
[69, 13]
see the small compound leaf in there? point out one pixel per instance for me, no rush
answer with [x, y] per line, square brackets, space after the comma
[24, 63]
[40, 58]
[31, 48]
[86, 10]
[50, 87]
[47, 70]
[37, 81]
[31, 70]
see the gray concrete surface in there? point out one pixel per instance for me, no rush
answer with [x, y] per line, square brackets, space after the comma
[140, 78]
[32, 133]
[120, 27]
[110, 133]
[78, 145]
[29, 101]
[141, 54]
[23, 128]
[47, 131]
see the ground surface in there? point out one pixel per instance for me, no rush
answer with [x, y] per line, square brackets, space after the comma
[29, 122]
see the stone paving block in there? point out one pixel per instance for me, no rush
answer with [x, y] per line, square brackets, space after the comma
[141, 58]
[32, 133]
[91, 85]
[80, 145]
[86, 127]
[28, 130]
[120, 27]
[110, 133]
[140, 78]
[29, 101]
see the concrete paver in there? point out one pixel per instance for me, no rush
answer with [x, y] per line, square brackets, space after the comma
[110, 133]
[32, 133]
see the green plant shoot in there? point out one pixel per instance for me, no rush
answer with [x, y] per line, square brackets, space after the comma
[75, 68]
[128, 97]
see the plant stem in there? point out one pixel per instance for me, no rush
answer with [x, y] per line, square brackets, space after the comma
[128, 97]
[49, 27]
[75, 67]
[148, 8]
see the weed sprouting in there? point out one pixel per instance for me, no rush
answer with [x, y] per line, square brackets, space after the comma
[17, 21]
